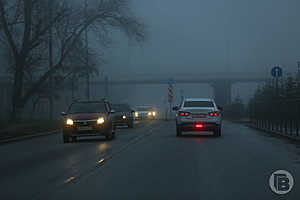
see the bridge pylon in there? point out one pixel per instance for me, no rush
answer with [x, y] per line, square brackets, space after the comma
[222, 92]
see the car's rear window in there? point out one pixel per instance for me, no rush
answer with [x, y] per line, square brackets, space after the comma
[144, 109]
[198, 104]
[87, 107]
[121, 107]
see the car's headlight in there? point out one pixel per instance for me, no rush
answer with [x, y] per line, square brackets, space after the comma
[124, 117]
[153, 113]
[100, 120]
[149, 113]
[69, 122]
[136, 114]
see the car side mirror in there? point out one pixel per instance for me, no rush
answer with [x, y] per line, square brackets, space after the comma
[112, 111]
[175, 108]
[220, 108]
[63, 113]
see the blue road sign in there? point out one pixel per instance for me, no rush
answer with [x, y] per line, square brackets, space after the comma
[170, 81]
[276, 71]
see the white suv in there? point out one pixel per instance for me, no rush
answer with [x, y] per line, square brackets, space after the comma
[198, 114]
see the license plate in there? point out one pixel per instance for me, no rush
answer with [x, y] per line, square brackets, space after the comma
[199, 116]
[84, 128]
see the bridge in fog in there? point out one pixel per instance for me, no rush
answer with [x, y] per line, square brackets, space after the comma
[221, 84]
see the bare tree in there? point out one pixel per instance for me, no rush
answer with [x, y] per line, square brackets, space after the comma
[25, 27]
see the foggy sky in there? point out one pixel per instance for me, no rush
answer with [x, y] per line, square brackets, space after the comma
[221, 36]
[200, 36]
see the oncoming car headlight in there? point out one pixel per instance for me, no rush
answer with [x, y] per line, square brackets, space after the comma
[100, 120]
[153, 113]
[124, 117]
[149, 113]
[69, 122]
[136, 114]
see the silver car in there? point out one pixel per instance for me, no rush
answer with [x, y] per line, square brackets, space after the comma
[198, 114]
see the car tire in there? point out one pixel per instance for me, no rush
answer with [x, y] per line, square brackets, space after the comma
[217, 133]
[130, 124]
[113, 133]
[66, 139]
[178, 131]
[115, 127]
[74, 139]
[110, 134]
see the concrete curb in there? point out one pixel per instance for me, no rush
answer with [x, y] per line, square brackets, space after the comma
[274, 132]
[26, 137]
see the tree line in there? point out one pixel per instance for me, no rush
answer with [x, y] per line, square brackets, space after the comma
[277, 99]
[44, 42]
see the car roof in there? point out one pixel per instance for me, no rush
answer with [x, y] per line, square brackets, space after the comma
[120, 104]
[90, 101]
[144, 107]
[198, 99]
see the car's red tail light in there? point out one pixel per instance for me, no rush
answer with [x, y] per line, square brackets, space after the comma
[214, 114]
[183, 113]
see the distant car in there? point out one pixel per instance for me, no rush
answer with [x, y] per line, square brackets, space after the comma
[198, 114]
[88, 118]
[145, 112]
[123, 115]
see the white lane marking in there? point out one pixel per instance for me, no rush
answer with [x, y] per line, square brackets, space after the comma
[68, 180]
[100, 161]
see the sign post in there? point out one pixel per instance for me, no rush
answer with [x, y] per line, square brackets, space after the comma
[181, 95]
[276, 72]
[298, 71]
[170, 96]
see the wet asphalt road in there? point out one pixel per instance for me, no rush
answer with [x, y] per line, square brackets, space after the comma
[149, 162]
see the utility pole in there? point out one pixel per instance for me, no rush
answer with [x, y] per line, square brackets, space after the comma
[298, 70]
[73, 87]
[129, 54]
[228, 55]
[227, 37]
[181, 95]
[87, 55]
[50, 4]
[276, 86]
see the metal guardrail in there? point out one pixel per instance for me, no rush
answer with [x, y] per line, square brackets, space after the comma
[283, 127]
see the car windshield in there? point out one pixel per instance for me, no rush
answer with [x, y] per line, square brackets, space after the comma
[87, 107]
[121, 107]
[198, 104]
[143, 108]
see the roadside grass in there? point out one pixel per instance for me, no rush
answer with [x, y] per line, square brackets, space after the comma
[12, 130]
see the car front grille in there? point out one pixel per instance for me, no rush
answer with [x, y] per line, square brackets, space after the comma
[85, 123]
